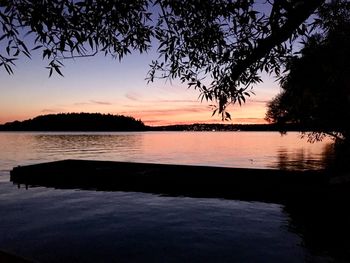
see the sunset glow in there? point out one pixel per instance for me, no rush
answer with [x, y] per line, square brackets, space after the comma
[101, 84]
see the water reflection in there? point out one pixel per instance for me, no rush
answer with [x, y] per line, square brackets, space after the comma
[320, 221]
[303, 159]
[127, 218]
[324, 227]
[87, 145]
[88, 226]
[227, 149]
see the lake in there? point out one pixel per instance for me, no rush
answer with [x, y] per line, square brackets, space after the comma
[72, 225]
[228, 149]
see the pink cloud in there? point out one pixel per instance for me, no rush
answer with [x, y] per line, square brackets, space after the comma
[132, 96]
[53, 110]
[92, 102]
[100, 102]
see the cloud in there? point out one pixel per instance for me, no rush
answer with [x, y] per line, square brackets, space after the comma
[81, 103]
[136, 97]
[170, 115]
[53, 110]
[100, 102]
[92, 102]
[171, 111]
[175, 101]
[132, 96]
[258, 101]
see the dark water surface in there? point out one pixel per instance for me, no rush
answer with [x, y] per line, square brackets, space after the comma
[58, 225]
[85, 226]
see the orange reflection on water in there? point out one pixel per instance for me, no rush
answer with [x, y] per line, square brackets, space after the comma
[236, 149]
[228, 149]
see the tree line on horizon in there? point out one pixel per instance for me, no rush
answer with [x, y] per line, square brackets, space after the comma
[76, 122]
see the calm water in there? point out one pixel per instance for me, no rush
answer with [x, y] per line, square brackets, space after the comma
[58, 225]
[231, 149]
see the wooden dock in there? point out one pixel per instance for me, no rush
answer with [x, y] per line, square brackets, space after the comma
[176, 180]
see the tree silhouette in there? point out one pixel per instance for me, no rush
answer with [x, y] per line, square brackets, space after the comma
[76, 122]
[316, 88]
[218, 47]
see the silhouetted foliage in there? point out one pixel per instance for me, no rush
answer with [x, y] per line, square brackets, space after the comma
[67, 29]
[217, 47]
[316, 87]
[76, 122]
[221, 47]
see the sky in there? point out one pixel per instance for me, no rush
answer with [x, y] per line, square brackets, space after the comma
[103, 84]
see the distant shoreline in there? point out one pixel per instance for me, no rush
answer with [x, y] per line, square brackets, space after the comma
[188, 127]
[97, 122]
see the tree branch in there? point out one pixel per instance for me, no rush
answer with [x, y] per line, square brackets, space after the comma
[296, 17]
[80, 56]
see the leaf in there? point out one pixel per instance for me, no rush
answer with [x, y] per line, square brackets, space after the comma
[8, 69]
[47, 53]
[23, 46]
[58, 70]
[37, 47]
[3, 36]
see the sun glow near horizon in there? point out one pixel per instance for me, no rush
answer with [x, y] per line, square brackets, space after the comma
[103, 85]
[152, 111]
[152, 115]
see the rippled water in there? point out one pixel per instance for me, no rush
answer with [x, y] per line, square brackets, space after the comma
[230, 149]
[84, 226]
[58, 225]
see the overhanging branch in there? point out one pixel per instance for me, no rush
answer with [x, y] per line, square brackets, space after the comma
[295, 18]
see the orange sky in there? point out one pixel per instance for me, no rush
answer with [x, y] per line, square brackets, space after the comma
[103, 85]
